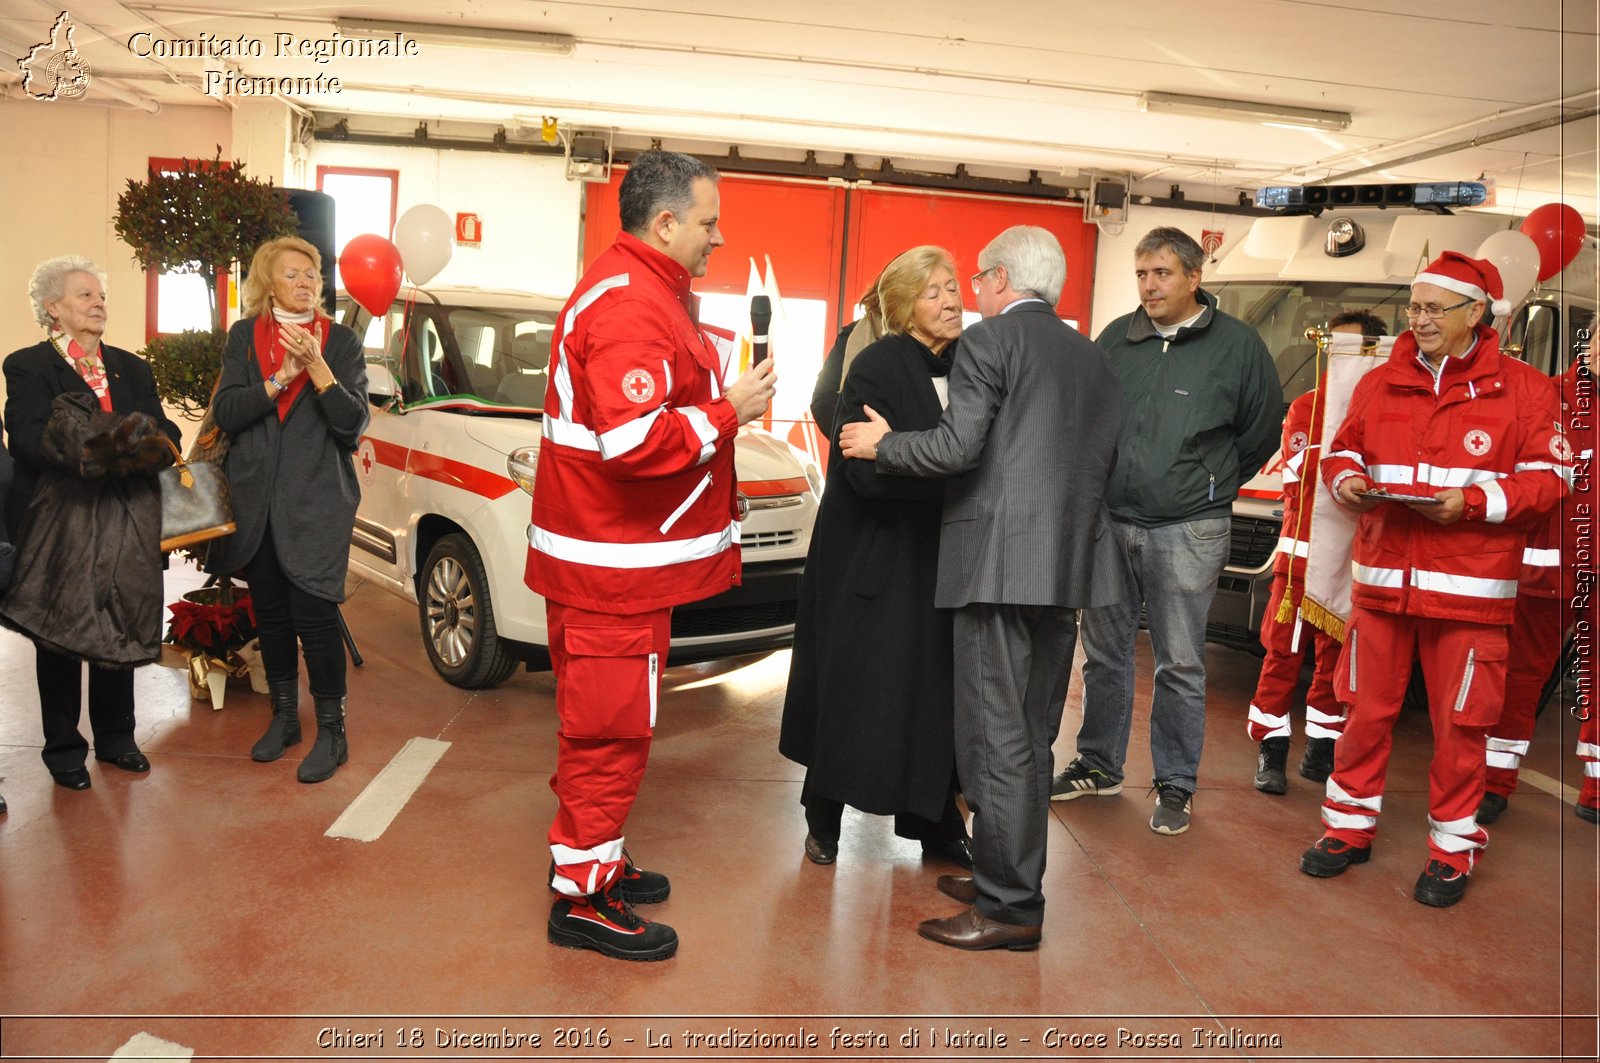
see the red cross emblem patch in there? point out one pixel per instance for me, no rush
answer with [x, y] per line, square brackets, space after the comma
[1477, 442]
[1560, 447]
[638, 386]
[1297, 442]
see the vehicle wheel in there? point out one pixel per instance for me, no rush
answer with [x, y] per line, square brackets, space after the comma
[458, 618]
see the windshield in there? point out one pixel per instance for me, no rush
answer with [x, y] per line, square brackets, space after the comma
[495, 354]
[1282, 311]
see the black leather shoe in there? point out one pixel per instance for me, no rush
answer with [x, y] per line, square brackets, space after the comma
[956, 850]
[973, 931]
[72, 778]
[821, 852]
[2, 804]
[958, 888]
[135, 761]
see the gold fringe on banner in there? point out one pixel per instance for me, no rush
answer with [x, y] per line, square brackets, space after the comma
[1321, 617]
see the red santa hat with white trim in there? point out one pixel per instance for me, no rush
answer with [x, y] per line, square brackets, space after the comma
[1476, 278]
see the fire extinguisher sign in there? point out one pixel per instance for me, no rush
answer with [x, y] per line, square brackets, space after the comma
[469, 230]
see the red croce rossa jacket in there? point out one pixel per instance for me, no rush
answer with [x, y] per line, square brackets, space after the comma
[1302, 450]
[1490, 430]
[634, 499]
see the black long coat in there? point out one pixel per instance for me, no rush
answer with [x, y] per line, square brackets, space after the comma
[88, 580]
[870, 706]
[295, 475]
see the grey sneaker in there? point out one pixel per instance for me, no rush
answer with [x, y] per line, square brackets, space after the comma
[1172, 809]
[1080, 780]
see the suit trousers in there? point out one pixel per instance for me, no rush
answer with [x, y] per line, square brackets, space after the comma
[1012, 664]
[61, 706]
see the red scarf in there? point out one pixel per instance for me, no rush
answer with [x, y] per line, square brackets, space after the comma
[93, 370]
[270, 354]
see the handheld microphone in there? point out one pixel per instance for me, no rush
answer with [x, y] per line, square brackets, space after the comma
[760, 321]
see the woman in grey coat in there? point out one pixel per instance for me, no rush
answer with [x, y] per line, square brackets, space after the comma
[293, 401]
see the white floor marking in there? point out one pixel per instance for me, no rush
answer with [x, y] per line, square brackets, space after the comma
[152, 1049]
[370, 814]
[1540, 781]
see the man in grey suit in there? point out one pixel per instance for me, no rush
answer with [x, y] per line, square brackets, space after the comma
[1029, 438]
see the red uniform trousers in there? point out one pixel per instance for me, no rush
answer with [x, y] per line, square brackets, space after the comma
[1272, 704]
[1589, 754]
[1536, 637]
[1464, 665]
[608, 681]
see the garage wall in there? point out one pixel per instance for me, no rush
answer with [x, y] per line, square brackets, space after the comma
[1114, 291]
[65, 164]
[532, 215]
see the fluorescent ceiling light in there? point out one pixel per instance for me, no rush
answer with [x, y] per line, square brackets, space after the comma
[1244, 111]
[462, 36]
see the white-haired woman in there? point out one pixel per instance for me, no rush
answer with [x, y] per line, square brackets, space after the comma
[293, 400]
[870, 705]
[85, 427]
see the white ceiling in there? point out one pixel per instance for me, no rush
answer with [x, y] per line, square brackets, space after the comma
[1003, 88]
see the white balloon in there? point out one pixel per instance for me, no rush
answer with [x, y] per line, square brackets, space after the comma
[1516, 256]
[427, 238]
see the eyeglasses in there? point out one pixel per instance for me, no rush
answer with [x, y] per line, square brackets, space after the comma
[978, 276]
[1433, 313]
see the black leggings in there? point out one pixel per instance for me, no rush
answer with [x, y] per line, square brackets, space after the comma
[284, 613]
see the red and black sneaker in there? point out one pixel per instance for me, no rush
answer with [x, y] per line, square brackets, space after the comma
[638, 885]
[1440, 885]
[606, 923]
[1330, 857]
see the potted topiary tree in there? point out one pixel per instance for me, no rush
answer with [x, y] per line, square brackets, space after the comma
[201, 218]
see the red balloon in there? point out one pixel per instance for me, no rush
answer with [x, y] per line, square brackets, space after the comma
[1558, 231]
[369, 268]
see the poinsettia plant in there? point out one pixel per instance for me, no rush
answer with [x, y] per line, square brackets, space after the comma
[216, 621]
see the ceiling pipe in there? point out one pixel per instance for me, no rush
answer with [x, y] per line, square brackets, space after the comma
[1463, 145]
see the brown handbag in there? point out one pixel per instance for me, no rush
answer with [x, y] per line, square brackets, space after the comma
[196, 505]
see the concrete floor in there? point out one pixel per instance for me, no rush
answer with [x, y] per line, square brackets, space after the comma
[202, 911]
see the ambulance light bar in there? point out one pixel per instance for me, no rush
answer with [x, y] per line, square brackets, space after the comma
[1443, 194]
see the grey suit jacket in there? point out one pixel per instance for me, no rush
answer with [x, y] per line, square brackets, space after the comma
[1030, 436]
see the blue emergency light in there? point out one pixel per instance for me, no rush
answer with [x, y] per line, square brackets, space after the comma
[1316, 197]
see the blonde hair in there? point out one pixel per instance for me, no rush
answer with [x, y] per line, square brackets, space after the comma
[49, 282]
[903, 280]
[255, 294]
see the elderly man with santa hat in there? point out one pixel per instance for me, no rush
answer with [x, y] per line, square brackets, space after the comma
[1450, 453]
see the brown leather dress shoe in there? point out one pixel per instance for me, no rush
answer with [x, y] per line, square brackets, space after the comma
[958, 888]
[972, 930]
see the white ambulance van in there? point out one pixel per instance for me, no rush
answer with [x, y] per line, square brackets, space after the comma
[1356, 247]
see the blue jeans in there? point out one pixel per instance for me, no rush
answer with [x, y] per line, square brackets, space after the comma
[1176, 568]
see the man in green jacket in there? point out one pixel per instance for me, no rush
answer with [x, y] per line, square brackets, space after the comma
[1202, 409]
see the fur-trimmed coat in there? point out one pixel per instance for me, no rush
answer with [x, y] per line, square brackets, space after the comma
[88, 577]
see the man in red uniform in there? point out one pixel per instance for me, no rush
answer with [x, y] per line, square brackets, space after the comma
[1469, 442]
[633, 512]
[1548, 604]
[1580, 414]
[1286, 641]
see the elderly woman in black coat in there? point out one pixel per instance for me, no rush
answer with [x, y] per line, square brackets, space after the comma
[87, 434]
[869, 709]
[293, 401]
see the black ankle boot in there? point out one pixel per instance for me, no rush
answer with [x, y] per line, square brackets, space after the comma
[284, 730]
[331, 749]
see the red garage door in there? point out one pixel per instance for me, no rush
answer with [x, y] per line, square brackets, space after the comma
[826, 243]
